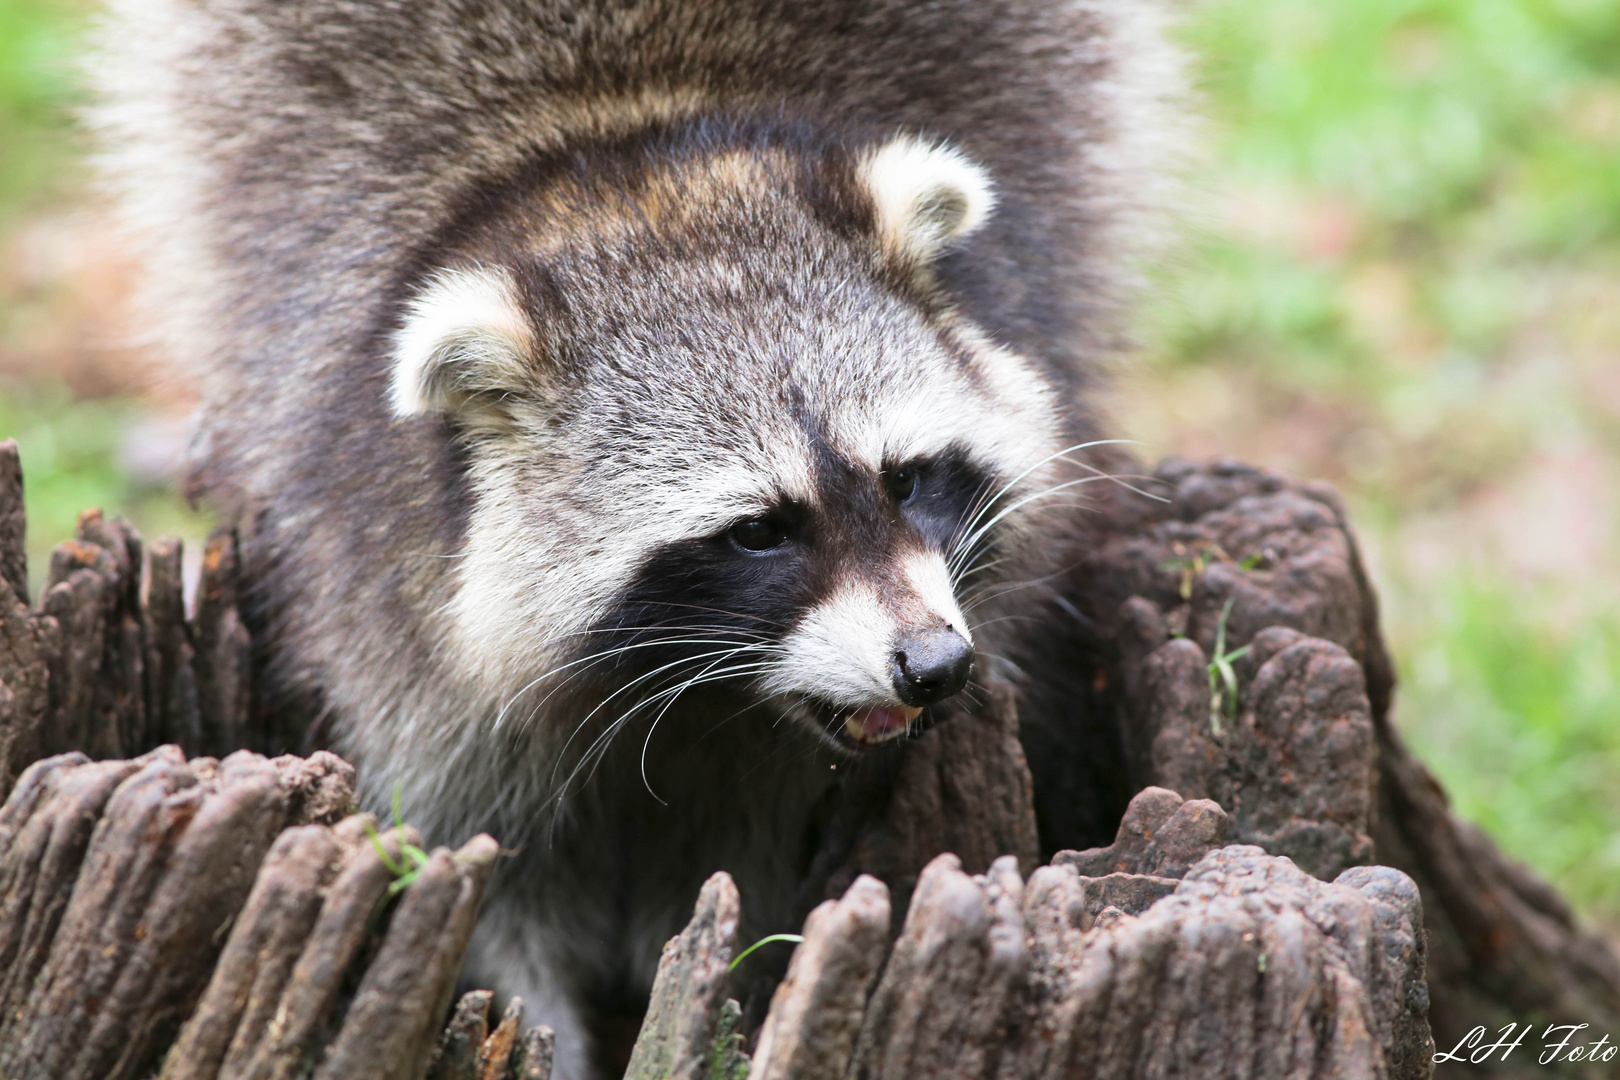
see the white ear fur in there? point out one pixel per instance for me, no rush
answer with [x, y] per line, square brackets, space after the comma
[926, 195]
[464, 338]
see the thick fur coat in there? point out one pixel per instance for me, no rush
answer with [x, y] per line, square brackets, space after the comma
[607, 394]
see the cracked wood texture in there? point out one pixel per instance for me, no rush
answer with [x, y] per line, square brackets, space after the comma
[1242, 965]
[1303, 762]
[1310, 764]
[211, 918]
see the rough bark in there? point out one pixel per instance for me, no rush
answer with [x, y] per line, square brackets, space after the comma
[13, 522]
[221, 919]
[104, 667]
[816, 1011]
[1248, 967]
[679, 1034]
[223, 656]
[172, 701]
[1310, 764]
[24, 670]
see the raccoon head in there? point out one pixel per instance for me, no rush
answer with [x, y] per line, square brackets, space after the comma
[725, 436]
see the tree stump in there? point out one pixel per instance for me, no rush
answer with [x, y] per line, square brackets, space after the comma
[211, 918]
[1311, 766]
[1246, 966]
[1209, 903]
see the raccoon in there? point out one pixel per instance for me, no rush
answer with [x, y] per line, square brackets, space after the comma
[640, 416]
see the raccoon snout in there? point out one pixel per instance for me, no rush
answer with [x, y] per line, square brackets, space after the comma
[931, 665]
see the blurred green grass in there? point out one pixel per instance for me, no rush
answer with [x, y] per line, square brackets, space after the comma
[1403, 279]
[39, 42]
[71, 446]
[1520, 722]
[72, 450]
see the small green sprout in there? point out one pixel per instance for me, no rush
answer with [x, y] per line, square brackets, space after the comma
[797, 939]
[1189, 566]
[1193, 565]
[409, 867]
[1223, 684]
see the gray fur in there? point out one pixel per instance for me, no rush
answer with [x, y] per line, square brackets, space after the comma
[710, 306]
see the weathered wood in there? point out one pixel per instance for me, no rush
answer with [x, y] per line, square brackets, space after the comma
[939, 1008]
[816, 1012]
[536, 1051]
[167, 869]
[963, 787]
[45, 828]
[677, 1039]
[101, 668]
[336, 945]
[1505, 948]
[127, 647]
[468, 1050]
[27, 645]
[266, 941]
[1250, 967]
[1042, 1011]
[463, 1038]
[1161, 834]
[1313, 766]
[172, 698]
[1294, 764]
[495, 1056]
[224, 651]
[13, 522]
[474, 862]
[319, 788]
[395, 1018]
[77, 602]
[122, 878]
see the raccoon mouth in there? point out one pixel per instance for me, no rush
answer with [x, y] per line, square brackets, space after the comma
[878, 724]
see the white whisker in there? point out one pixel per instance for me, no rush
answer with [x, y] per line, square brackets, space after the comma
[590, 660]
[630, 686]
[973, 520]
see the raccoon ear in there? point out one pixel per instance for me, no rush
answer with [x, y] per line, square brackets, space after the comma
[464, 344]
[925, 196]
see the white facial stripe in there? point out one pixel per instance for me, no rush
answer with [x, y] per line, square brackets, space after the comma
[1009, 429]
[508, 630]
[840, 652]
[708, 500]
[925, 572]
[911, 421]
[1023, 419]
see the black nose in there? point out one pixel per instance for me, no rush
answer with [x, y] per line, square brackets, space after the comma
[930, 665]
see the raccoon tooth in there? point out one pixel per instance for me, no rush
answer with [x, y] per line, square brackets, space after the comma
[855, 728]
[880, 723]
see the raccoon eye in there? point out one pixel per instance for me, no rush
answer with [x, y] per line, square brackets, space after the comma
[757, 534]
[902, 483]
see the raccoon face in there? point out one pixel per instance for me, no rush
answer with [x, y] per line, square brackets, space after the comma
[725, 440]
